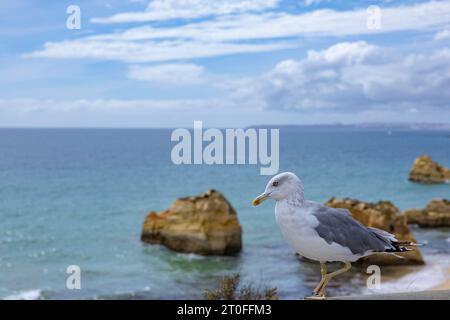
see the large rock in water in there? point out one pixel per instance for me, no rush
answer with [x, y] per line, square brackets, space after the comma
[206, 224]
[425, 170]
[436, 214]
[385, 216]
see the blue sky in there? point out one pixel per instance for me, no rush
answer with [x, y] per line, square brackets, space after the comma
[230, 63]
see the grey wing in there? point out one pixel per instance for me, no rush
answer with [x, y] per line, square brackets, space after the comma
[337, 225]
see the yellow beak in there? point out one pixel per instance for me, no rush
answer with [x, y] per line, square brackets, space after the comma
[257, 201]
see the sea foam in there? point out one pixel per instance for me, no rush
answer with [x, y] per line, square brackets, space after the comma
[25, 295]
[434, 273]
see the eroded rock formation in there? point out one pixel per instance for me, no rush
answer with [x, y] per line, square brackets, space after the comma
[425, 170]
[435, 214]
[206, 224]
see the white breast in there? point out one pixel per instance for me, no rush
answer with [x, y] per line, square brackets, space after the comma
[297, 227]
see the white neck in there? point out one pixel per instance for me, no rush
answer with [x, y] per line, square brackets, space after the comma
[297, 197]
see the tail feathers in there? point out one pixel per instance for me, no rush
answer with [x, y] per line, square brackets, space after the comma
[394, 244]
[409, 244]
[403, 246]
[396, 247]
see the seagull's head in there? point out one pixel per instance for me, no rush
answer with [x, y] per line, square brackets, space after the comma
[281, 186]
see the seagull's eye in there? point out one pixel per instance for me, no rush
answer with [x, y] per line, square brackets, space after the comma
[275, 183]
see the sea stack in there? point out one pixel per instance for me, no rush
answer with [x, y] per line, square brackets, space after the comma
[206, 224]
[385, 216]
[425, 170]
[435, 214]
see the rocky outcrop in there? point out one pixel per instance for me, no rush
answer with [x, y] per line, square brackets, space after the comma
[385, 216]
[436, 214]
[425, 170]
[206, 224]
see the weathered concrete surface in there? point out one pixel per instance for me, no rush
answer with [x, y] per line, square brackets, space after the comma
[421, 295]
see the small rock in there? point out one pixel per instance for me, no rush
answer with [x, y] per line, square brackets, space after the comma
[436, 214]
[385, 216]
[425, 170]
[206, 224]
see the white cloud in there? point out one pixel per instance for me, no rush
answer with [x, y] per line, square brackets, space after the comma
[270, 25]
[110, 105]
[169, 74]
[346, 77]
[311, 2]
[354, 81]
[159, 10]
[147, 51]
[232, 34]
[356, 76]
[442, 35]
[120, 113]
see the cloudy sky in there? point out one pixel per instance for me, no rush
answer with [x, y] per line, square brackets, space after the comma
[230, 63]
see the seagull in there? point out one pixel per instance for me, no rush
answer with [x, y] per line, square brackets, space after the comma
[321, 233]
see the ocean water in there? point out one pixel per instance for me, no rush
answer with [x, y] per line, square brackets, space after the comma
[80, 196]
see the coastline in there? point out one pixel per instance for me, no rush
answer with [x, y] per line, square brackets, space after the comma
[445, 285]
[434, 275]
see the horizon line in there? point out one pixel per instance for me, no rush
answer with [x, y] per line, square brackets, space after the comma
[404, 125]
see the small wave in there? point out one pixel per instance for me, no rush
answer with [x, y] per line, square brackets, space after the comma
[25, 295]
[190, 256]
[130, 295]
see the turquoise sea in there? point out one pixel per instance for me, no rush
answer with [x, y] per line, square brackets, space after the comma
[80, 196]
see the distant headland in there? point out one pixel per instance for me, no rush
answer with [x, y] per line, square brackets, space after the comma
[420, 126]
